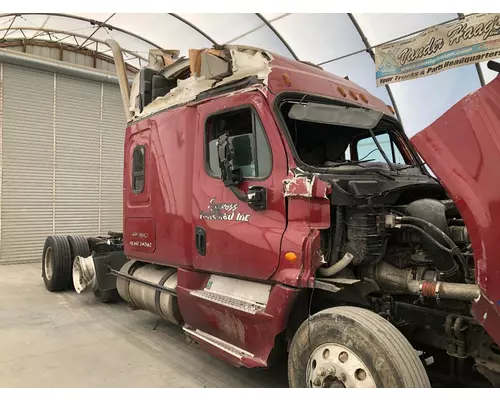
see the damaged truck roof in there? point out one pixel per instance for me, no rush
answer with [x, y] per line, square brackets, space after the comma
[210, 68]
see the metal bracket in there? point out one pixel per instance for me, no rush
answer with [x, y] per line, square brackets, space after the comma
[142, 282]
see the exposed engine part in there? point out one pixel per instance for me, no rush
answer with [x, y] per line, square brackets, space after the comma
[455, 328]
[365, 237]
[395, 280]
[459, 234]
[431, 210]
[84, 274]
[339, 233]
[337, 267]
[147, 298]
[450, 208]
[409, 237]
[422, 283]
[433, 214]
[444, 290]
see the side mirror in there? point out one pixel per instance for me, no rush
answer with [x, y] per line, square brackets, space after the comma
[231, 175]
[234, 153]
[257, 197]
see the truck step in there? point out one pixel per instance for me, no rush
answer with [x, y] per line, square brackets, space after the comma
[247, 306]
[216, 342]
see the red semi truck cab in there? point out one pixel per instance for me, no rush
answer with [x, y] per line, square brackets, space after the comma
[271, 208]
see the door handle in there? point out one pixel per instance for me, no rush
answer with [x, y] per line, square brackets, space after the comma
[200, 240]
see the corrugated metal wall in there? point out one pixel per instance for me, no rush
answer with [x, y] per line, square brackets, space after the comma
[61, 144]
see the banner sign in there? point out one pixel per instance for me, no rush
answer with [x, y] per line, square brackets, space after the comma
[471, 40]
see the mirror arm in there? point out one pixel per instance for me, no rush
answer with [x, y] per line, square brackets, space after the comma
[240, 194]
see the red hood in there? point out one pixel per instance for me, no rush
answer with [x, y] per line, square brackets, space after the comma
[463, 149]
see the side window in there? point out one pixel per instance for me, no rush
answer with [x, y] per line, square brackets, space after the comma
[367, 149]
[138, 169]
[248, 138]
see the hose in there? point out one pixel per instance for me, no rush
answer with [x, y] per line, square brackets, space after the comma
[454, 250]
[424, 232]
[430, 226]
[337, 267]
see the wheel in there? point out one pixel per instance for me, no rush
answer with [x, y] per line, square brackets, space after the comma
[56, 263]
[352, 347]
[79, 246]
[107, 296]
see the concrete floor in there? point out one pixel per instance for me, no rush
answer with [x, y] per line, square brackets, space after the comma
[70, 340]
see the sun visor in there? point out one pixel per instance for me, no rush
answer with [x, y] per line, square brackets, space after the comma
[354, 117]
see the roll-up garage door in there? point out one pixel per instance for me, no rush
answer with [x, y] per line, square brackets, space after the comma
[61, 160]
[27, 162]
[77, 133]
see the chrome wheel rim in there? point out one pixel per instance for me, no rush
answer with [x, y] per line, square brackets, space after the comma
[48, 263]
[332, 365]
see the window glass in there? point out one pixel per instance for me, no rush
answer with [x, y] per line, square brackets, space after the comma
[368, 150]
[248, 138]
[138, 169]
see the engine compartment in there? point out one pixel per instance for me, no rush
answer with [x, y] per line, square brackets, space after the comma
[405, 253]
[403, 227]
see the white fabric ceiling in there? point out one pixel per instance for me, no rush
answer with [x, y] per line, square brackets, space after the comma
[319, 38]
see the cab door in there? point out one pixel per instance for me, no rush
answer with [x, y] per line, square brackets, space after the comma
[231, 237]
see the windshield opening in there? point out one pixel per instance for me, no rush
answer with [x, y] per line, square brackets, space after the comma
[320, 144]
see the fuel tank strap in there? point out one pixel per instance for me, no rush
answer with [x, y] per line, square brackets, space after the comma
[143, 282]
[168, 274]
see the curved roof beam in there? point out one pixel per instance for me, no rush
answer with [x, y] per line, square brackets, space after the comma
[273, 29]
[70, 34]
[93, 33]
[369, 49]
[192, 26]
[10, 25]
[91, 21]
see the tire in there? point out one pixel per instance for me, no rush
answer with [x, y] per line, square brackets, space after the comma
[56, 263]
[357, 340]
[107, 296]
[79, 246]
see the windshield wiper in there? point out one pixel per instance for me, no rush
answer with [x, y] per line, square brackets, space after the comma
[347, 162]
[412, 166]
[381, 150]
[357, 163]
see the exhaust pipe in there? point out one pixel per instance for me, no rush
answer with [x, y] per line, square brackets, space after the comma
[122, 75]
[401, 281]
